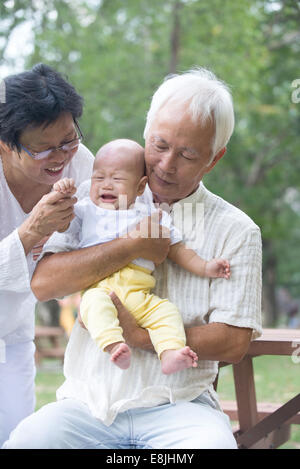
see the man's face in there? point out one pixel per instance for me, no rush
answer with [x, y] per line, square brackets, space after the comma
[177, 152]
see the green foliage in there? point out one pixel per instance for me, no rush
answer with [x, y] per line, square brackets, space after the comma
[117, 52]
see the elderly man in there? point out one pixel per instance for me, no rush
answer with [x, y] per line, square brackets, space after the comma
[189, 124]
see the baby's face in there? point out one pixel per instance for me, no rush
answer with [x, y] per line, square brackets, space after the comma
[116, 181]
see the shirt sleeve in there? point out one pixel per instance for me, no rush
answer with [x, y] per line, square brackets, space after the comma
[67, 241]
[237, 301]
[14, 272]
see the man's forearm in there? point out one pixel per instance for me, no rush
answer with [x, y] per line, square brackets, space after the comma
[219, 341]
[65, 273]
[215, 341]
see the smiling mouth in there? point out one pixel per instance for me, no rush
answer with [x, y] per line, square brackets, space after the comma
[55, 170]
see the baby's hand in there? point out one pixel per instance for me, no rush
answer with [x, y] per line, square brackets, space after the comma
[65, 186]
[217, 268]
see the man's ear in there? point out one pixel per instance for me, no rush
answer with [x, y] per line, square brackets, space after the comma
[217, 157]
[142, 184]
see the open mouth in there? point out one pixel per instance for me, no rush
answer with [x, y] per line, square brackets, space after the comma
[56, 171]
[108, 198]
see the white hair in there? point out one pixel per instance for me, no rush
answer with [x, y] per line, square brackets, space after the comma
[209, 99]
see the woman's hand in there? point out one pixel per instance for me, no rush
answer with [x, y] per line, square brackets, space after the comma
[54, 212]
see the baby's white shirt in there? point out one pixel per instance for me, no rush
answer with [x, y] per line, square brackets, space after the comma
[97, 225]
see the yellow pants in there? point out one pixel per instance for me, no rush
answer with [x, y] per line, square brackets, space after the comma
[132, 284]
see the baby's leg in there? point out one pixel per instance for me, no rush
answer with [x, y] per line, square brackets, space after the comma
[164, 324]
[177, 360]
[99, 315]
[120, 354]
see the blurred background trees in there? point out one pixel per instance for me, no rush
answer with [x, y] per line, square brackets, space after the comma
[116, 53]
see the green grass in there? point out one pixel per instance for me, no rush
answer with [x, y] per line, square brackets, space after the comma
[277, 379]
[46, 383]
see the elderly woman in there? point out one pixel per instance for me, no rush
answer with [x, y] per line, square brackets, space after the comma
[40, 142]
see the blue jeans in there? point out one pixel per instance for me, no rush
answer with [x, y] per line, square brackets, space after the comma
[68, 424]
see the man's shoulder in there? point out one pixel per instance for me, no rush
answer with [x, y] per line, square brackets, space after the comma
[227, 214]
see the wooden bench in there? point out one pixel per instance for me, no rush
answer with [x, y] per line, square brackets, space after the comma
[263, 425]
[50, 342]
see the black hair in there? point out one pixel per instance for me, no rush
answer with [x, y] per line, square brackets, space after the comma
[36, 97]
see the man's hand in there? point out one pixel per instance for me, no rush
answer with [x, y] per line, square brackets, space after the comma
[153, 238]
[126, 320]
[134, 335]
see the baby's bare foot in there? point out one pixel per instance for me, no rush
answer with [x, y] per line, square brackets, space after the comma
[120, 356]
[177, 360]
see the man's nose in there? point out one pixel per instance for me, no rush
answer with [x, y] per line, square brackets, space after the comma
[168, 163]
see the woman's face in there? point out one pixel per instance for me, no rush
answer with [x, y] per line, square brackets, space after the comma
[37, 139]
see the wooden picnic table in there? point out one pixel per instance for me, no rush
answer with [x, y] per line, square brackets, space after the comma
[57, 343]
[264, 425]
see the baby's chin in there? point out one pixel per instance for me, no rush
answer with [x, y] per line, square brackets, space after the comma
[107, 205]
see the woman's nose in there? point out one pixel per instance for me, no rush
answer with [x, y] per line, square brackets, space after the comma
[58, 155]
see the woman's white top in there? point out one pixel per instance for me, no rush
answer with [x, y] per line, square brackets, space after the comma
[17, 302]
[97, 225]
[214, 228]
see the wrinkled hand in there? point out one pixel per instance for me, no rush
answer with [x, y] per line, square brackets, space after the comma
[54, 212]
[153, 238]
[126, 320]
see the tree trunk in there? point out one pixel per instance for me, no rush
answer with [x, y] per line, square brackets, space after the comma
[175, 37]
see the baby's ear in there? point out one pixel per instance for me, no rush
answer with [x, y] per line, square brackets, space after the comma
[142, 184]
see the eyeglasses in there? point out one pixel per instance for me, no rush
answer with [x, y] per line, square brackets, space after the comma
[66, 147]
